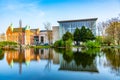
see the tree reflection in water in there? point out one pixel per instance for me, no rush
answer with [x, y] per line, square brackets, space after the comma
[68, 55]
[84, 59]
[1, 54]
[49, 58]
[79, 60]
[113, 59]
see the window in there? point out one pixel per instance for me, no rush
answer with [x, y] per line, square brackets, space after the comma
[42, 39]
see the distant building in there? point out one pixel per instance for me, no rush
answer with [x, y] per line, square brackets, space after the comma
[22, 35]
[71, 25]
[45, 37]
[55, 33]
[34, 37]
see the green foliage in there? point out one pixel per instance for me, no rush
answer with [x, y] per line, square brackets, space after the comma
[1, 51]
[77, 36]
[67, 36]
[86, 34]
[89, 35]
[112, 55]
[40, 47]
[91, 51]
[83, 35]
[92, 44]
[61, 43]
[68, 55]
[80, 57]
[68, 43]
[7, 43]
[99, 39]
[1, 54]
[83, 58]
[108, 40]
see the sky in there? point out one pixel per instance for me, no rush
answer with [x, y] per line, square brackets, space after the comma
[37, 12]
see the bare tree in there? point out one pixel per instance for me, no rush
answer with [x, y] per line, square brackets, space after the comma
[101, 27]
[47, 26]
[50, 57]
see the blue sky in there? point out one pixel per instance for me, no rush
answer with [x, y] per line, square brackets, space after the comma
[37, 12]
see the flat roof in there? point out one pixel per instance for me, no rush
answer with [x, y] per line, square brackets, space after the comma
[89, 19]
[45, 30]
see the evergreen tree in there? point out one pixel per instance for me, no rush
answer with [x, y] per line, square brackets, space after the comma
[83, 35]
[67, 36]
[77, 36]
[89, 35]
[83, 32]
[86, 34]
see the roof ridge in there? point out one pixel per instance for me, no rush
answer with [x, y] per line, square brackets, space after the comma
[77, 20]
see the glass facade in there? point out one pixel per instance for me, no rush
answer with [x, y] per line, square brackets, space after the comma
[71, 25]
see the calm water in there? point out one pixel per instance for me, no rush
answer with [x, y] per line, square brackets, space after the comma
[50, 64]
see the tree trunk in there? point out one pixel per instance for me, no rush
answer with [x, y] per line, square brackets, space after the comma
[77, 43]
[65, 44]
[118, 42]
[108, 44]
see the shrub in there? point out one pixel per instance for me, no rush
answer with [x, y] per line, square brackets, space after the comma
[61, 43]
[92, 44]
[91, 51]
[7, 43]
[68, 43]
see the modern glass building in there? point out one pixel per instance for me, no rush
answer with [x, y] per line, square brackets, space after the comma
[71, 25]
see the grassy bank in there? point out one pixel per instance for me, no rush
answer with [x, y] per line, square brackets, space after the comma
[40, 46]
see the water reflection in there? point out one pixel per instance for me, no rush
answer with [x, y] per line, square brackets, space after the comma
[22, 56]
[113, 60]
[28, 55]
[1, 54]
[76, 59]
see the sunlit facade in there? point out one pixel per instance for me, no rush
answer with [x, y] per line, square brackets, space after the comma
[71, 25]
[22, 35]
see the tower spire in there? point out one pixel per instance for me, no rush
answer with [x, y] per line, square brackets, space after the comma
[20, 23]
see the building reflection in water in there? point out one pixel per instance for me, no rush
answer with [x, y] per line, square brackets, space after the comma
[24, 56]
[68, 60]
[27, 55]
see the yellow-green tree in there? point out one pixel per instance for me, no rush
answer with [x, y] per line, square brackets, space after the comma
[113, 30]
